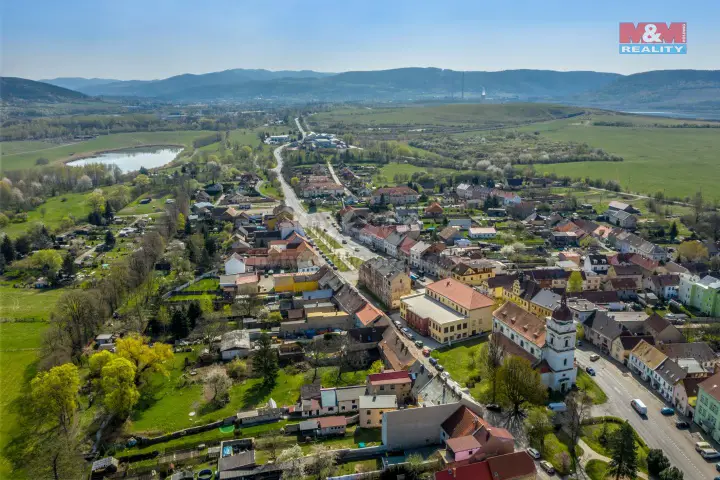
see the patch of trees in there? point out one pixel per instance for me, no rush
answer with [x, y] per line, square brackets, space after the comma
[207, 140]
[620, 123]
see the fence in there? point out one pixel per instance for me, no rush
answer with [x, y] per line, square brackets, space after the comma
[188, 431]
[212, 273]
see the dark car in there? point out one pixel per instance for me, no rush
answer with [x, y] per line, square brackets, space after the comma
[439, 367]
[494, 407]
[682, 424]
[590, 371]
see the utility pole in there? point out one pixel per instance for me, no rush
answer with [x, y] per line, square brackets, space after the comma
[462, 94]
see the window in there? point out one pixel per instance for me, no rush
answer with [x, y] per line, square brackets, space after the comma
[392, 387]
[368, 422]
[445, 330]
[565, 362]
[382, 387]
[330, 409]
[368, 412]
[567, 342]
[713, 407]
[342, 409]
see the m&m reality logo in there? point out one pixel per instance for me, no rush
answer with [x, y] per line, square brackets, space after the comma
[653, 38]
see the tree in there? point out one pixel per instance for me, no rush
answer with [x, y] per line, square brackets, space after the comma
[673, 231]
[414, 466]
[537, 425]
[490, 361]
[322, 462]
[692, 251]
[181, 222]
[315, 351]
[217, 387]
[292, 462]
[194, 312]
[98, 361]
[265, 360]
[247, 305]
[108, 212]
[574, 282]
[294, 181]
[348, 356]
[48, 262]
[179, 324]
[271, 444]
[54, 396]
[146, 359]
[698, 203]
[377, 367]
[118, 383]
[109, 239]
[77, 316]
[671, 473]
[142, 182]
[520, 385]
[96, 201]
[578, 410]
[8, 249]
[237, 369]
[657, 462]
[623, 453]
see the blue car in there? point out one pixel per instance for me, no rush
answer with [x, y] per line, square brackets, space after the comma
[590, 371]
[667, 411]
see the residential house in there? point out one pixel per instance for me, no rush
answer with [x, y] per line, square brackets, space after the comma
[449, 310]
[626, 242]
[391, 243]
[662, 330]
[702, 294]
[601, 330]
[235, 264]
[460, 223]
[707, 410]
[665, 286]
[623, 344]
[621, 207]
[297, 282]
[473, 272]
[656, 368]
[564, 239]
[626, 288]
[686, 393]
[370, 316]
[240, 284]
[331, 426]
[482, 232]
[401, 195]
[404, 250]
[449, 235]
[549, 344]
[372, 408]
[622, 219]
[386, 279]
[631, 271]
[434, 210]
[235, 344]
[597, 264]
[348, 398]
[511, 466]
[390, 382]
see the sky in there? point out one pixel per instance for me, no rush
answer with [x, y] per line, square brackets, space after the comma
[150, 39]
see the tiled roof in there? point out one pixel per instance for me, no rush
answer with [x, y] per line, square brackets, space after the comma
[623, 283]
[604, 324]
[368, 314]
[711, 386]
[512, 466]
[401, 190]
[700, 351]
[657, 323]
[334, 421]
[630, 342]
[671, 372]
[524, 323]
[627, 270]
[462, 423]
[461, 444]
[649, 355]
[465, 296]
[387, 378]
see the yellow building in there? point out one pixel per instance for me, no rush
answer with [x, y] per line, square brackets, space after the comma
[473, 272]
[372, 408]
[295, 282]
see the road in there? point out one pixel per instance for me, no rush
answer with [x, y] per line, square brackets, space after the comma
[320, 220]
[297, 122]
[658, 431]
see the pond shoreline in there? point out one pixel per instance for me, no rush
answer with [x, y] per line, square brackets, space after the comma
[84, 155]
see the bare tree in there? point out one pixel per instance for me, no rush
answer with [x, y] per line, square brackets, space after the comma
[315, 351]
[349, 355]
[578, 410]
[293, 464]
[322, 462]
[491, 359]
[217, 387]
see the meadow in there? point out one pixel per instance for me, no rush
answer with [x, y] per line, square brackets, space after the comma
[676, 161]
[52, 212]
[24, 158]
[462, 116]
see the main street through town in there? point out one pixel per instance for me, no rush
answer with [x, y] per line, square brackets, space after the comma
[659, 431]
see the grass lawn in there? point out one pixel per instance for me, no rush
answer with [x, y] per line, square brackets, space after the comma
[180, 298]
[676, 161]
[391, 169]
[52, 212]
[556, 450]
[457, 361]
[157, 204]
[168, 408]
[27, 303]
[24, 146]
[596, 469]
[205, 285]
[102, 143]
[359, 466]
[586, 383]
[591, 436]
[18, 368]
[269, 191]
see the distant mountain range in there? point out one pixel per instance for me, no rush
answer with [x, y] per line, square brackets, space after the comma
[20, 90]
[691, 90]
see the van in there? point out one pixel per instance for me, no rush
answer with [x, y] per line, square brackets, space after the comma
[639, 406]
[558, 407]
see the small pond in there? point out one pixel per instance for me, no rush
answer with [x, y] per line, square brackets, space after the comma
[131, 159]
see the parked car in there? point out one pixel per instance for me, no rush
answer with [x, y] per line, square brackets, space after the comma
[709, 453]
[702, 446]
[547, 467]
[357, 249]
[717, 467]
[667, 411]
[426, 351]
[590, 371]
[682, 424]
[404, 330]
[439, 367]
[579, 343]
[493, 407]
[433, 361]
[594, 357]
[418, 343]
[344, 242]
[397, 323]
[533, 453]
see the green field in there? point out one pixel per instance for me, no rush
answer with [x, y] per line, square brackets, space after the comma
[676, 161]
[157, 204]
[19, 344]
[391, 169]
[591, 436]
[458, 361]
[464, 116]
[588, 385]
[13, 148]
[27, 303]
[52, 212]
[106, 142]
[596, 469]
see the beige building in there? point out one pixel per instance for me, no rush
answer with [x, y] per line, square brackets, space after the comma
[386, 279]
[449, 310]
[372, 408]
[390, 382]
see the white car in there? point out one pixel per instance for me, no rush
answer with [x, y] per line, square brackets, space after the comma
[709, 453]
[594, 357]
[397, 323]
[533, 453]
[547, 466]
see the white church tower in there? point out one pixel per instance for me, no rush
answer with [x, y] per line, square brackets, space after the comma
[559, 350]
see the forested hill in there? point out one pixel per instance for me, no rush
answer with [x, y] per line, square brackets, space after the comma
[21, 90]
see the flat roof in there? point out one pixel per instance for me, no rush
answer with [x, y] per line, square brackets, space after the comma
[378, 401]
[426, 307]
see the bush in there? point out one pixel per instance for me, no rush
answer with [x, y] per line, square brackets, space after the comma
[237, 369]
[657, 461]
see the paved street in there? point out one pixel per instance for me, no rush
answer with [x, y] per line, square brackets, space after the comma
[657, 430]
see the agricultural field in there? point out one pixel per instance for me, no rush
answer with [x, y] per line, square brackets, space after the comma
[26, 303]
[15, 161]
[676, 161]
[461, 117]
[13, 148]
